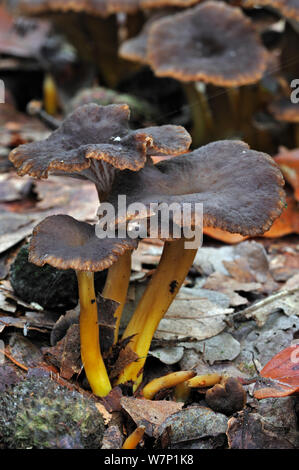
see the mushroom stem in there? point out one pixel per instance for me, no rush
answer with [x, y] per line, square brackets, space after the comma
[233, 94]
[50, 95]
[205, 380]
[172, 270]
[89, 336]
[133, 440]
[202, 126]
[116, 286]
[167, 381]
[296, 132]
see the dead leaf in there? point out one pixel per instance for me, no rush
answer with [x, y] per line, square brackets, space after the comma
[106, 321]
[66, 354]
[148, 413]
[230, 287]
[286, 300]
[102, 410]
[250, 431]
[126, 356]
[194, 318]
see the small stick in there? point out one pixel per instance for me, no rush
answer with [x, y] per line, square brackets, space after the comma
[12, 359]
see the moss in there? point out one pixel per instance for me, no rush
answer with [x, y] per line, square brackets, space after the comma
[39, 414]
[51, 288]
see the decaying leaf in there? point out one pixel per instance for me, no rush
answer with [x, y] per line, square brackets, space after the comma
[106, 321]
[194, 318]
[66, 354]
[148, 413]
[192, 424]
[251, 431]
[286, 300]
[281, 373]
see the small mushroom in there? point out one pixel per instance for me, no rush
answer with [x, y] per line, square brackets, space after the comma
[95, 140]
[241, 192]
[65, 243]
[219, 46]
[91, 26]
[227, 397]
[286, 111]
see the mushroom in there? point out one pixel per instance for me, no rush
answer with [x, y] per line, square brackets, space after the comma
[65, 243]
[286, 111]
[288, 8]
[91, 26]
[241, 192]
[219, 46]
[95, 142]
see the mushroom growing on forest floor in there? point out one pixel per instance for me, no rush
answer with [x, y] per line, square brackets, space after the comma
[219, 46]
[65, 243]
[241, 192]
[95, 142]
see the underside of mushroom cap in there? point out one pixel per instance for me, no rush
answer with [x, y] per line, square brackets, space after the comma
[288, 8]
[240, 189]
[66, 243]
[98, 133]
[217, 44]
[285, 110]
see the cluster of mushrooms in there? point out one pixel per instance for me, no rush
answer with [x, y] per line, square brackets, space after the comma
[231, 57]
[241, 191]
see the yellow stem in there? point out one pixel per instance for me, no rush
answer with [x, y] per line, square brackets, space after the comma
[133, 440]
[167, 381]
[182, 392]
[206, 380]
[169, 276]
[89, 336]
[116, 286]
[50, 95]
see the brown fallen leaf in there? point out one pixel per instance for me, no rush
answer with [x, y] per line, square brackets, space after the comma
[106, 321]
[148, 413]
[230, 287]
[286, 300]
[250, 431]
[66, 354]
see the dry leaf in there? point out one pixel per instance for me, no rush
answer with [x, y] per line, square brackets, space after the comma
[148, 413]
[286, 300]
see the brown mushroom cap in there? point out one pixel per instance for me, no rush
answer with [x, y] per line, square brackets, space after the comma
[240, 189]
[94, 7]
[285, 110]
[95, 132]
[289, 8]
[66, 243]
[167, 3]
[217, 44]
[21, 39]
